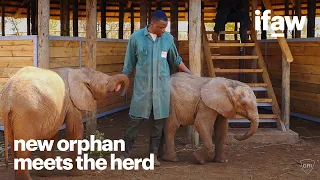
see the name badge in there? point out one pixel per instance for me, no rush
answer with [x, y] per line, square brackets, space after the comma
[164, 54]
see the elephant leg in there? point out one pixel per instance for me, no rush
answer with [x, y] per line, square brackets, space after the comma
[204, 126]
[22, 174]
[221, 130]
[45, 155]
[75, 130]
[170, 129]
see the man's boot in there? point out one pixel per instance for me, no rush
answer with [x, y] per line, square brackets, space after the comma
[215, 37]
[154, 148]
[244, 36]
[128, 148]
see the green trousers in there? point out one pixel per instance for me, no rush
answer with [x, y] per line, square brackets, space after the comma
[134, 127]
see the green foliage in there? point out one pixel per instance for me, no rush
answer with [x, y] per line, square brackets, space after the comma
[99, 154]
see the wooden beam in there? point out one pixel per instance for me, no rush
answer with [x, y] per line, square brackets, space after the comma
[286, 13]
[3, 29]
[28, 19]
[132, 19]
[103, 9]
[34, 15]
[75, 18]
[285, 92]
[194, 51]
[158, 4]
[64, 18]
[174, 21]
[43, 48]
[129, 4]
[143, 13]
[121, 19]
[311, 18]
[91, 49]
[298, 13]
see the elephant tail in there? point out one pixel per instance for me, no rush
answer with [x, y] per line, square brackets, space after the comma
[6, 137]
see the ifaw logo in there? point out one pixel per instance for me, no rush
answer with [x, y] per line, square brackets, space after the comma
[307, 165]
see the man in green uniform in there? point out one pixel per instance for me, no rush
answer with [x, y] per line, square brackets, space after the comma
[148, 52]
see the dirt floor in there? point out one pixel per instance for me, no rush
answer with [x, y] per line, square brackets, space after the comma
[246, 161]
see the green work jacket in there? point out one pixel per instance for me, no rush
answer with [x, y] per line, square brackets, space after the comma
[152, 76]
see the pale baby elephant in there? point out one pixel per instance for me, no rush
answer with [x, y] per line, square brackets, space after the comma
[206, 103]
[35, 103]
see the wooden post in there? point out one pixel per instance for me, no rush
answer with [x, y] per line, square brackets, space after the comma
[194, 51]
[64, 18]
[43, 51]
[298, 13]
[286, 13]
[132, 18]
[91, 49]
[28, 18]
[263, 32]
[285, 92]
[311, 18]
[149, 11]
[174, 21]
[75, 18]
[34, 24]
[103, 6]
[143, 14]
[121, 19]
[3, 22]
[158, 4]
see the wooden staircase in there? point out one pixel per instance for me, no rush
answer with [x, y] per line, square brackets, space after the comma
[212, 54]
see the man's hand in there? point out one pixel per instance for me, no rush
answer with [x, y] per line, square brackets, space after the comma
[184, 68]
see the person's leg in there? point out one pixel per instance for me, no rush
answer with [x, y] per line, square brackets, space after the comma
[243, 18]
[155, 139]
[131, 133]
[220, 21]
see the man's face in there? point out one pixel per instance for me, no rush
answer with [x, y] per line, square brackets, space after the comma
[158, 27]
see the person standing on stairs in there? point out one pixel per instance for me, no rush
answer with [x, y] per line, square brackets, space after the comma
[149, 51]
[234, 11]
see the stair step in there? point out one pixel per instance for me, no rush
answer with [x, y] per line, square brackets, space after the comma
[247, 121]
[258, 86]
[225, 41]
[217, 70]
[235, 57]
[261, 116]
[264, 100]
[227, 32]
[219, 44]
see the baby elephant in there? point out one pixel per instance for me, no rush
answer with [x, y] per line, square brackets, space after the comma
[206, 103]
[35, 103]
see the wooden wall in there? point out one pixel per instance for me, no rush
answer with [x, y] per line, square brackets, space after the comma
[305, 75]
[14, 54]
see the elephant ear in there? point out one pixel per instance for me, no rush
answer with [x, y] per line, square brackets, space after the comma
[80, 92]
[218, 96]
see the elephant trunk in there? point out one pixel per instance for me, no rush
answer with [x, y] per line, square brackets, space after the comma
[121, 78]
[254, 123]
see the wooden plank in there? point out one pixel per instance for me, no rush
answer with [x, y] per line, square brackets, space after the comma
[110, 60]
[15, 42]
[110, 68]
[261, 116]
[143, 13]
[63, 43]
[8, 72]
[299, 77]
[64, 62]
[238, 70]
[16, 47]
[43, 37]
[227, 32]
[285, 92]
[231, 44]
[257, 84]
[16, 61]
[235, 57]
[64, 51]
